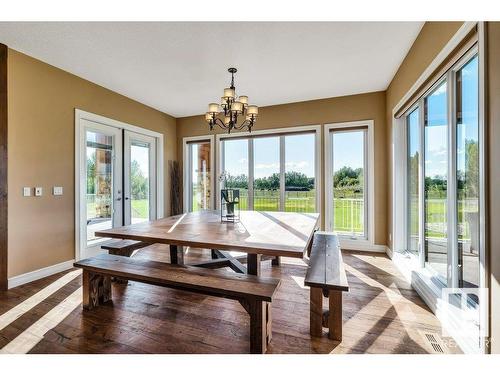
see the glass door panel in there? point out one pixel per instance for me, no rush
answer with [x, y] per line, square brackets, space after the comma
[140, 181]
[300, 193]
[266, 187]
[467, 133]
[200, 195]
[101, 184]
[413, 181]
[349, 202]
[436, 176]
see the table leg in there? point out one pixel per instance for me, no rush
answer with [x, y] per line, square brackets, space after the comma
[253, 264]
[176, 254]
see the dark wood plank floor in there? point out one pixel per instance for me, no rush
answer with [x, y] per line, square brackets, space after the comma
[382, 314]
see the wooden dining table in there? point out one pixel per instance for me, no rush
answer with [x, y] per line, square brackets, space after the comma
[258, 234]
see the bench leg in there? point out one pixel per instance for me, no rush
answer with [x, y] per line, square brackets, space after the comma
[276, 261]
[214, 254]
[258, 326]
[335, 315]
[316, 312]
[176, 254]
[96, 289]
[269, 322]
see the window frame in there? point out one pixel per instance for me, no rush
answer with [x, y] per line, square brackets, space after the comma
[186, 169]
[348, 242]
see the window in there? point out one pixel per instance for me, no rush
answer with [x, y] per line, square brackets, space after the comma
[349, 172]
[300, 182]
[348, 182]
[266, 183]
[200, 194]
[273, 173]
[235, 161]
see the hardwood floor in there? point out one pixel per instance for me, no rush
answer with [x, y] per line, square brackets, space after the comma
[382, 314]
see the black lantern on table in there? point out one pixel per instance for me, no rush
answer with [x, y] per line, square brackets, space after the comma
[230, 205]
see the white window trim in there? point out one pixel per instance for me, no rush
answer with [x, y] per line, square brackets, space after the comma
[83, 115]
[271, 132]
[370, 156]
[186, 167]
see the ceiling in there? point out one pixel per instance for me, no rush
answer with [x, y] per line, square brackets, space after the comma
[179, 67]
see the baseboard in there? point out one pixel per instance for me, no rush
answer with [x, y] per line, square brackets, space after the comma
[389, 252]
[364, 247]
[39, 274]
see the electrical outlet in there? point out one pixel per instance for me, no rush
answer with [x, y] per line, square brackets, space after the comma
[57, 190]
[26, 192]
[38, 191]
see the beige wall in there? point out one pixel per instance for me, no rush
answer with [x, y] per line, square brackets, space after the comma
[493, 183]
[431, 40]
[42, 101]
[318, 112]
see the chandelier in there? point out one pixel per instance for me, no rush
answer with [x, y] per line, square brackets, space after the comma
[231, 109]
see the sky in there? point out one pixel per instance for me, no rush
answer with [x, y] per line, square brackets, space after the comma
[299, 155]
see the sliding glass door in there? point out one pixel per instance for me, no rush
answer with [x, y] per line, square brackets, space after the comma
[436, 180]
[467, 173]
[273, 173]
[447, 138]
[444, 182]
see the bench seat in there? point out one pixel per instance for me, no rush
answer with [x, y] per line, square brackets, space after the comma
[326, 277]
[254, 293]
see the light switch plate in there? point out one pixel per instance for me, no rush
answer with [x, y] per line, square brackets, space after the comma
[26, 192]
[57, 190]
[38, 191]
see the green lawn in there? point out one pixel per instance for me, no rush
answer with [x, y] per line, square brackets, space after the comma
[140, 209]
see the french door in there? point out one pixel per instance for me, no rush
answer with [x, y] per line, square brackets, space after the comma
[139, 177]
[117, 181]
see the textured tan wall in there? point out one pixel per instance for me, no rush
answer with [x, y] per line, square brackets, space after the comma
[430, 41]
[318, 112]
[42, 101]
[493, 123]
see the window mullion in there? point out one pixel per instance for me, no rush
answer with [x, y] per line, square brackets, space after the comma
[452, 186]
[421, 180]
[282, 173]
[250, 173]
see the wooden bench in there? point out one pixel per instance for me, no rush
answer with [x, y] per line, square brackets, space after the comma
[123, 247]
[253, 292]
[326, 277]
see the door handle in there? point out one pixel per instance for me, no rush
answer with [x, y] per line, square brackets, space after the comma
[126, 198]
[118, 199]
